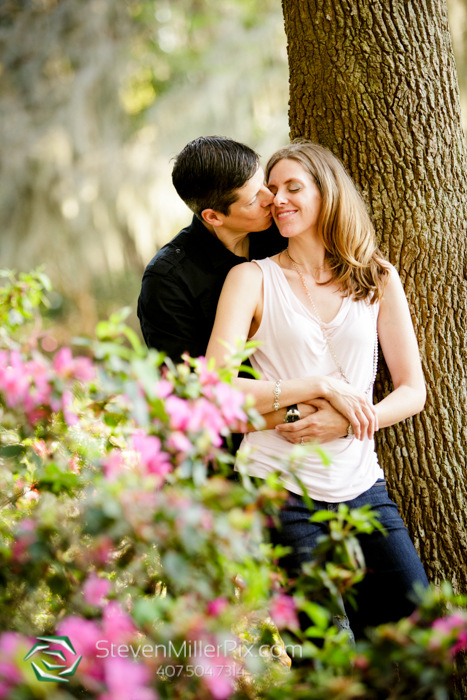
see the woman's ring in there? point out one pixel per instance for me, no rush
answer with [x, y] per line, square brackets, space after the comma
[302, 441]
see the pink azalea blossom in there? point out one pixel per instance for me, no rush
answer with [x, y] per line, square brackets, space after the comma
[217, 606]
[230, 401]
[206, 416]
[178, 411]
[126, 680]
[31, 495]
[84, 369]
[446, 625]
[206, 376]
[67, 366]
[24, 539]
[114, 464]
[84, 635]
[102, 550]
[179, 442]
[40, 448]
[10, 674]
[149, 447]
[283, 612]
[219, 675]
[14, 383]
[95, 590]
[74, 465]
[70, 417]
[63, 362]
[117, 625]
[453, 625]
[163, 388]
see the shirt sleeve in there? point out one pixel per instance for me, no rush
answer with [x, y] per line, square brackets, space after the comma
[167, 317]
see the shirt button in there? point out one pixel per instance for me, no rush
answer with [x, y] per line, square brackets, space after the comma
[177, 250]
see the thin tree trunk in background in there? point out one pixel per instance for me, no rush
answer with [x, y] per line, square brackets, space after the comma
[376, 83]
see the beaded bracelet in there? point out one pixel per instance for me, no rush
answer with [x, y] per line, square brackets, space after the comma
[277, 391]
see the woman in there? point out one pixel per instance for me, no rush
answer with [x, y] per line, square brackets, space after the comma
[318, 309]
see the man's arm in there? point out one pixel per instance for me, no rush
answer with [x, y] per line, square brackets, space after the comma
[167, 316]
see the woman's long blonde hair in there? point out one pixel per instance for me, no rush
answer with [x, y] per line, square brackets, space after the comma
[349, 239]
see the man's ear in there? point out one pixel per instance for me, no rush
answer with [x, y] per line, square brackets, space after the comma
[211, 217]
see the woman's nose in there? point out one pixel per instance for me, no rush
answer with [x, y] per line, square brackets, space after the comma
[279, 198]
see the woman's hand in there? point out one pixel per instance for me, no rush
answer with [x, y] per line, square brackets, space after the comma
[323, 424]
[353, 404]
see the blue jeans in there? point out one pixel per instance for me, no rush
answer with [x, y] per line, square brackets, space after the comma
[393, 565]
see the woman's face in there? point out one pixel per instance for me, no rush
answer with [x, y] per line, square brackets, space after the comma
[297, 199]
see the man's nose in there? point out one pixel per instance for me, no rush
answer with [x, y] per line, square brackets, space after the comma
[268, 197]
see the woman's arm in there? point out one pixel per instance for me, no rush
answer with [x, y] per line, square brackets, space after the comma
[400, 350]
[239, 314]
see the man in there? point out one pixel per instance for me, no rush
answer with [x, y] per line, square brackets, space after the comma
[222, 182]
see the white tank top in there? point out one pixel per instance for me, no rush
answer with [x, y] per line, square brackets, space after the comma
[293, 346]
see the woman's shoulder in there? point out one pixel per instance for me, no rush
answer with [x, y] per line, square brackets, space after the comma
[245, 273]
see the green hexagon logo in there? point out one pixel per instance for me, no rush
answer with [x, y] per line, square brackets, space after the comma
[56, 672]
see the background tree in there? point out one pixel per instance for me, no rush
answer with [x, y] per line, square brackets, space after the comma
[376, 83]
[96, 99]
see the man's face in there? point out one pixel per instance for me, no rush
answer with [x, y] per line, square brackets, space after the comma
[251, 212]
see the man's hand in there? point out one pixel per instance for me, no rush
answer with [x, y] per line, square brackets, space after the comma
[323, 425]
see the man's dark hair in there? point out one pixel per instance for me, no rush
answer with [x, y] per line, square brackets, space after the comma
[209, 170]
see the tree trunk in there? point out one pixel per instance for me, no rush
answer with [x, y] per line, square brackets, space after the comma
[376, 83]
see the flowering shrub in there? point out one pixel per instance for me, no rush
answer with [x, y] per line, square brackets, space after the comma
[120, 531]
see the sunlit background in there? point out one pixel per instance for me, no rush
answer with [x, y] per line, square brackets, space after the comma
[96, 97]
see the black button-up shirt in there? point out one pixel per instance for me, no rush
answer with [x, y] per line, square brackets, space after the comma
[182, 284]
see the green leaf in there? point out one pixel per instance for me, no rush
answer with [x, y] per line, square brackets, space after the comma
[321, 515]
[9, 451]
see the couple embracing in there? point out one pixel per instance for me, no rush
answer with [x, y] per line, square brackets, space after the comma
[288, 257]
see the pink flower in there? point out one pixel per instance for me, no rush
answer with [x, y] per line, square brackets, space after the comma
[102, 550]
[149, 447]
[10, 648]
[446, 625]
[74, 465]
[24, 539]
[230, 401]
[206, 416]
[206, 375]
[219, 675]
[461, 644]
[179, 442]
[95, 590]
[63, 362]
[84, 369]
[10, 642]
[178, 411]
[217, 606]
[31, 495]
[73, 368]
[454, 625]
[283, 612]
[40, 448]
[126, 680]
[113, 465]
[84, 635]
[117, 625]
[14, 381]
[70, 417]
[163, 388]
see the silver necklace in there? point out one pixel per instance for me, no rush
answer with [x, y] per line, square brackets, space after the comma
[325, 333]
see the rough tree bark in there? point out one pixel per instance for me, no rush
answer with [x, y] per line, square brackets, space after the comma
[375, 81]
